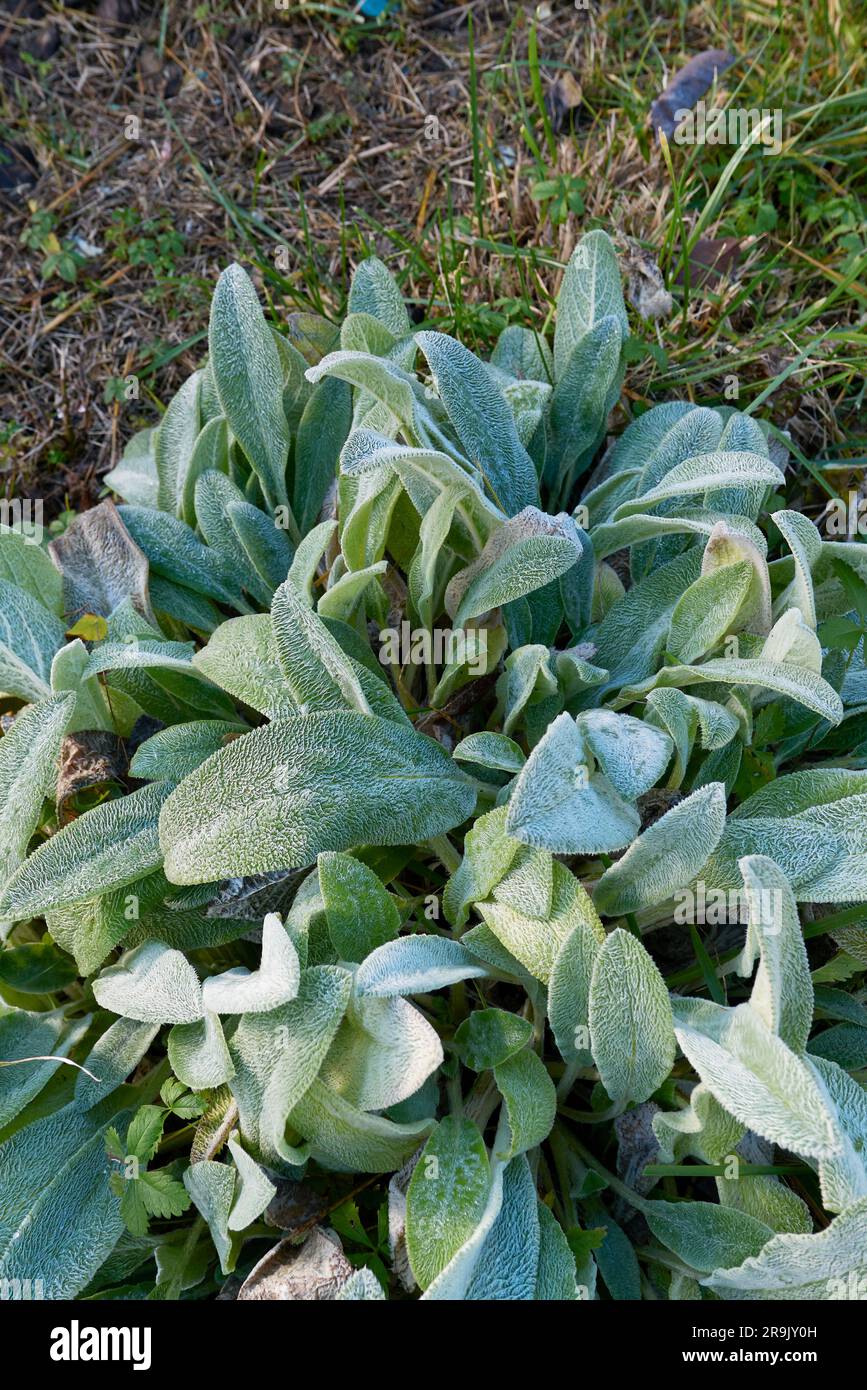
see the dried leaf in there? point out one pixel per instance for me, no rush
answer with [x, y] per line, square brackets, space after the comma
[687, 86]
[308, 1273]
[88, 759]
[101, 565]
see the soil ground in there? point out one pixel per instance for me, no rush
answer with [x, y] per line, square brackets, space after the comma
[143, 146]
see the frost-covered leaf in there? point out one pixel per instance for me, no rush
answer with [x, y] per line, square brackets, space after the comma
[174, 442]
[211, 1185]
[756, 1077]
[415, 965]
[278, 1055]
[171, 753]
[143, 655]
[374, 291]
[844, 1177]
[386, 382]
[795, 682]
[490, 1037]
[706, 1236]
[696, 476]
[342, 598]
[630, 639]
[587, 386]
[241, 991]
[811, 823]
[768, 1200]
[91, 928]
[555, 1276]
[317, 672]
[324, 781]
[347, 1139]
[631, 1025]
[51, 1168]
[153, 984]
[793, 642]
[708, 610]
[534, 941]
[113, 844]
[446, 1198]
[115, 1054]
[782, 994]
[362, 1286]
[805, 543]
[39, 1037]
[530, 1100]
[528, 883]
[215, 497]
[830, 1265]
[134, 478]
[569, 992]
[509, 1258]
[490, 750]
[729, 544]
[253, 1190]
[483, 422]
[322, 431]
[29, 637]
[524, 554]
[633, 755]
[559, 803]
[591, 290]
[668, 855]
[452, 1283]
[609, 537]
[199, 1055]
[383, 1052]
[242, 657]
[175, 553]
[23, 562]
[29, 753]
[488, 854]
[249, 379]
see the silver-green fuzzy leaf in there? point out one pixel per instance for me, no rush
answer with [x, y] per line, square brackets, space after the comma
[668, 855]
[446, 1198]
[113, 844]
[152, 984]
[249, 379]
[321, 781]
[631, 1024]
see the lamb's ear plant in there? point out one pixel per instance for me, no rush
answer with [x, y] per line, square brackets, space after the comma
[434, 833]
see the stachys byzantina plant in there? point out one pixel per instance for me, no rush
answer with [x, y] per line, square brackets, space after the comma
[438, 788]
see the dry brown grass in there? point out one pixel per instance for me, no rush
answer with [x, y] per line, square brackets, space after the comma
[261, 128]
